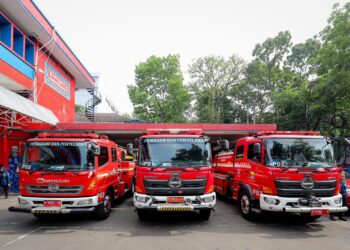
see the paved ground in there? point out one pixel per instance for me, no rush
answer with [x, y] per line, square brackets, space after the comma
[226, 229]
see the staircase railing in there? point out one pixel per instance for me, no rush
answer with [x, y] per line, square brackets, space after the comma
[92, 103]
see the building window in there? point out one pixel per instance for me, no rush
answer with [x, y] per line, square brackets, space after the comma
[29, 51]
[5, 31]
[18, 42]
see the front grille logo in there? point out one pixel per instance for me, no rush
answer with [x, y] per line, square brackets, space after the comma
[175, 182]
[53, 188]
[307, 184]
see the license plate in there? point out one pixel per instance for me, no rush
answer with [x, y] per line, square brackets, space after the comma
[52, 203]
[175, 199]
[319, 212]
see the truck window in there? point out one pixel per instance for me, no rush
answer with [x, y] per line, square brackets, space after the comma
[103, 157]
[240, 152]
[114, 155]
[251, 155]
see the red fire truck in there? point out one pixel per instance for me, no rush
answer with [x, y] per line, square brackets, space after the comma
[174, 173]
[280, 171]
[64, 173]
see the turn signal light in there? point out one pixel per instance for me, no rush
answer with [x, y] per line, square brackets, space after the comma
[267, 190]
[92, 185]
[211, 189]
[138, 189]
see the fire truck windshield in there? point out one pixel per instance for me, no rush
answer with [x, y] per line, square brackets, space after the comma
[57, 156]
[299, 152]
[174, 152]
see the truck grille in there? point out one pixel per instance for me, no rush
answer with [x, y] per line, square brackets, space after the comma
[188, 187]
[61, 190]
[294, 188]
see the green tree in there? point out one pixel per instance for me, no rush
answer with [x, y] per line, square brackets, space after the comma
[79, 108]
[264, 77]
[159, 94]
[270, 55]
[333, 88]
[293, 104]
[211, 80]
[301, 61]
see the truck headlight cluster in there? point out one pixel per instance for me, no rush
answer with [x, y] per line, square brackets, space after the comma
[23, 202]
[338, 200]
[141, 199]
[85, 202]
[208, 199]
[271, 201]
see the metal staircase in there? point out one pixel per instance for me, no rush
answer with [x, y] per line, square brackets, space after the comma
[91, 104]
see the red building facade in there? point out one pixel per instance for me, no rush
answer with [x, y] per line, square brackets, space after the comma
[39, 74]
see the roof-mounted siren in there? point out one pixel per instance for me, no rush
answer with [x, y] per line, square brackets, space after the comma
[288, 132]
[68, 135]
[174, 131]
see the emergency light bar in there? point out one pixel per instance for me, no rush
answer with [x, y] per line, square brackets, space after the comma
[70, 135]
[288, 132]
[175, 131]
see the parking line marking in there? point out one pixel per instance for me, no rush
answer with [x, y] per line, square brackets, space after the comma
[21, 237]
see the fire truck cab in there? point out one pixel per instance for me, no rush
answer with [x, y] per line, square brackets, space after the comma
[64, 173]
[174, 173]
[280, 171]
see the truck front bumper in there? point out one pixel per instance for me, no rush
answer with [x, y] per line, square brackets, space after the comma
[159, 203]
[292, 205]
[72, 205]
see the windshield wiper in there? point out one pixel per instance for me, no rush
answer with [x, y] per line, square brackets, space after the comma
[161, 163]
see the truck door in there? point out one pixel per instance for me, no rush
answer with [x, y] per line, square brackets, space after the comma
[102, 167]
[254, 158]
[113, 178]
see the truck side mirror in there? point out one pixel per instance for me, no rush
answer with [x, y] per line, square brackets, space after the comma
[257, 148]
[95, 149]
[225, 145]
[137, 142]
[129, 148]
[123, 156]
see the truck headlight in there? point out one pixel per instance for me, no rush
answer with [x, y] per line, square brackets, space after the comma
[23, 202]
[85, 202]
[271, 201]
[208, 199]
[141, 199]
[338, 200]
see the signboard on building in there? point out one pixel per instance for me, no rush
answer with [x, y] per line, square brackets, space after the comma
[57, 81]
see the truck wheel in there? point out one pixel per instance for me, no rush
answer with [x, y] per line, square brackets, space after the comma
[104, 209]
[142, 214]
[245, 205]
[204, 214]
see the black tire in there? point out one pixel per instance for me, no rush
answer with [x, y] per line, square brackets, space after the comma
[204, 214]
[104, 209]
[142, 214]
[245, 205]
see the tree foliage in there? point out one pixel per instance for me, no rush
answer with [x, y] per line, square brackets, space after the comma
[159, 94]
[303, 86]
[211, 79]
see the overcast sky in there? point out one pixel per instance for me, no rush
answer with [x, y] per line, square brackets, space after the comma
[112, 36]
